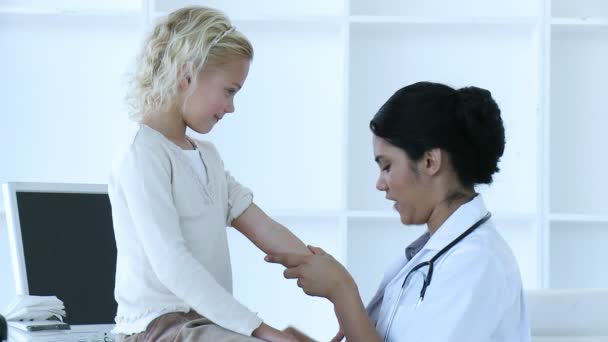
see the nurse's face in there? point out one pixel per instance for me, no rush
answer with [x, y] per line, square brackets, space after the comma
[403, 182]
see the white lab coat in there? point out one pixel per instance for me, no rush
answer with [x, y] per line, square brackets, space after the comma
[475, 293]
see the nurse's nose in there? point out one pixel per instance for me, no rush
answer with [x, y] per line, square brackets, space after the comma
[381, 184]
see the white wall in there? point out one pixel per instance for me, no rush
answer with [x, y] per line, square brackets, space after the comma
[61, 94]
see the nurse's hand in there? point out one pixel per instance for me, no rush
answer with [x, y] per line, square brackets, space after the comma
[318, 274]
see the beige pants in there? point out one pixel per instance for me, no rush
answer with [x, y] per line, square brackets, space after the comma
[186, 327]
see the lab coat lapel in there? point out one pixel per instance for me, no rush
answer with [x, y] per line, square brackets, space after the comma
[390, 273]
[395, 268]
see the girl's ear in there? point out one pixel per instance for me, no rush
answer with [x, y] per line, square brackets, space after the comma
[185, 76]
[184, 82]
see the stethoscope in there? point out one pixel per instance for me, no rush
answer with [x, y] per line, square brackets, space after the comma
[430, 263]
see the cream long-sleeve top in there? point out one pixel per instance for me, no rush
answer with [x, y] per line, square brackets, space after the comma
[170, 228]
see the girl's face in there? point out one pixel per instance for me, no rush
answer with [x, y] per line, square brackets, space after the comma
[214, 94]
[404, 181]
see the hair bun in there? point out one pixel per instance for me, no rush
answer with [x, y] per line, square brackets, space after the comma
[479, 117]
[476, 104]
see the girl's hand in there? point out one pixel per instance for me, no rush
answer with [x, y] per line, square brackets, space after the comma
[300, 336]
[339, 336]
[270, 334]
[318, 274]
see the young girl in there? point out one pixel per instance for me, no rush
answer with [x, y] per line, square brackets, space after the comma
[171, 197]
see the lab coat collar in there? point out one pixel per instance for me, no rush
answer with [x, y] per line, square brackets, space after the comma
[413, 248]
[460, 220]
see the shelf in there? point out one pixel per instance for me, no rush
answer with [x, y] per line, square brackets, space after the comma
[477, 8]
[236, 9]
[276, 24]
[278, 20]
[50, 12]
[287, 20]
[365, 214]
[304, 214]
[578, 218]
[386, 214]
[289, 24]
[71, 5]
[382, 215]
[371, 19]
[579, 21]
[44, 16]
[514, 217]
[576, 24]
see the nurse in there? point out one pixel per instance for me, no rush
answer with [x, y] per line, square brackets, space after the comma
[457, 282]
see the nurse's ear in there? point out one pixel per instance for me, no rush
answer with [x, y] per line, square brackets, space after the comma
[432, 161]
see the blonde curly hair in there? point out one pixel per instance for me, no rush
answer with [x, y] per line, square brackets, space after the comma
[190, 38]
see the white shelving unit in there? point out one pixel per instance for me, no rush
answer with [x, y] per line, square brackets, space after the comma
[300, 136]
[577, 225]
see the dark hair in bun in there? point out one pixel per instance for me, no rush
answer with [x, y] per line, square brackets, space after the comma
[465, 123]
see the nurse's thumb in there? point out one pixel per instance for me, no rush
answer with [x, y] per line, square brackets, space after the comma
[316, 250]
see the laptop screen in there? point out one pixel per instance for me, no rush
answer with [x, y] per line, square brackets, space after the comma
[70, 252]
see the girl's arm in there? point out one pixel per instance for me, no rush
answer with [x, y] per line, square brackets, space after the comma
[271, 237]
[267, 234]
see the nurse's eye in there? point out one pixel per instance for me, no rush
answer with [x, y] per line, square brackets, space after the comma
[386, 168]
[230, 91]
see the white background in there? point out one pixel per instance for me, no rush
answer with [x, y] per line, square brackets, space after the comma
[300, 137]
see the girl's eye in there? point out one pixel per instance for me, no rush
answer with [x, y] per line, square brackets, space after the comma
[386, 168]
[230, 91]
